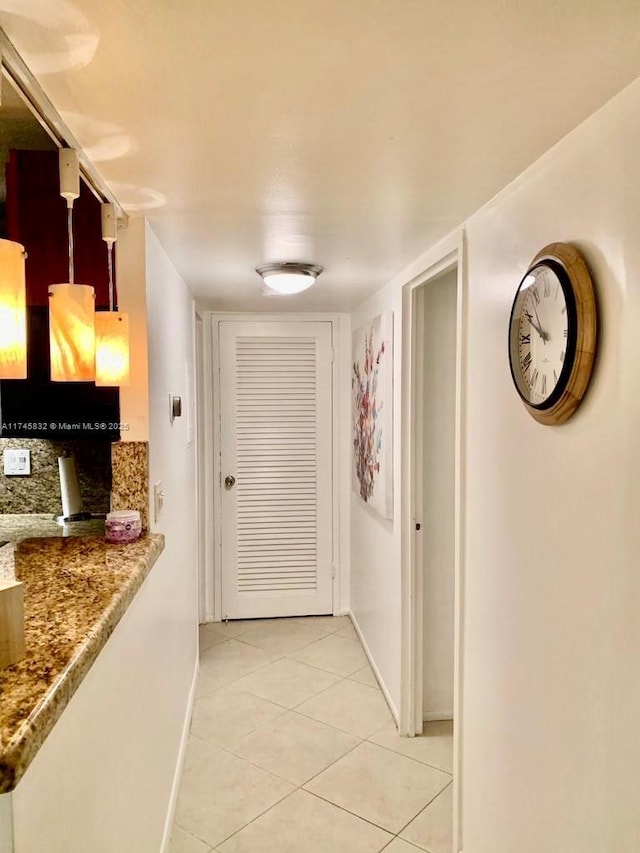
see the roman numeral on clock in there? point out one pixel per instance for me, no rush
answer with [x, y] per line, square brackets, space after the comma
[534, 377]
[544, 384]
[525, 339]
[526, 362]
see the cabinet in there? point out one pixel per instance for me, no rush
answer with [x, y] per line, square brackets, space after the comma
[36, 216]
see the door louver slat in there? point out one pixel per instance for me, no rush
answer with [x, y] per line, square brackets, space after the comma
[277, 470]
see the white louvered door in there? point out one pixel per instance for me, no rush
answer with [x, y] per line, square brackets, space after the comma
[276, 441]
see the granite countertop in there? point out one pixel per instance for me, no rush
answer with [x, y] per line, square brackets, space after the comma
[75, 592]
[26, 525]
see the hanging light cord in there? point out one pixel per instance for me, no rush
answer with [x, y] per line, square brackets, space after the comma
[110, 263]
[70, 232]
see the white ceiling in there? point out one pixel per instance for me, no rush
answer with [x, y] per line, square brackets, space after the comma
[348, 133]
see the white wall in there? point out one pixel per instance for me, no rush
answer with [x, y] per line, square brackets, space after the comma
[551, 637]
[551, 694]
[103, 779]
[170, 322]
[171, 450]
[376, 541]
[438, 354]
[106, 777]
[131, 282]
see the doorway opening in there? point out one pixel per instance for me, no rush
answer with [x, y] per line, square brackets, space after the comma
[432, 464]
[434, 508]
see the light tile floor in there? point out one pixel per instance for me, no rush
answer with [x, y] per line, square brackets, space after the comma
[293, 748]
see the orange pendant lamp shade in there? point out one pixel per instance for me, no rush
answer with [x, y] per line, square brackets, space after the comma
[112, 348]
[13, 312]
[72, 332]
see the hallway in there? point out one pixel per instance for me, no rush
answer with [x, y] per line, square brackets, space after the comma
[293, 748]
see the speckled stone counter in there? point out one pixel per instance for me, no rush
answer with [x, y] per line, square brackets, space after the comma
[27, 525]
[76, 590]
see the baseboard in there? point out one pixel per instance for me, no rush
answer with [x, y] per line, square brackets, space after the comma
[6, 823]
[376, 671]
[177, 776]
[436, 716]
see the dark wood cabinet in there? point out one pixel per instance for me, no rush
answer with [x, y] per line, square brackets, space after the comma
[36, 216]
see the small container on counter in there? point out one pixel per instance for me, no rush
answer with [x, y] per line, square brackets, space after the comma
[123, 526]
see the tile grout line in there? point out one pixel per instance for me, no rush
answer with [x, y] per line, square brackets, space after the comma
[229, 750]
[303, 646]
[285, 710]
[395, 838]
[353, 814]
[192, 834]
[296, 788]
[302, 787]
[430, 803]
[231, 684]
[273, 805]
[295, 709]
[312, 794]
[410, 757]
[286, 656]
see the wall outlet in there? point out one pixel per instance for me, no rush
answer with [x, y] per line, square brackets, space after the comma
[158, 500]
[17, 463]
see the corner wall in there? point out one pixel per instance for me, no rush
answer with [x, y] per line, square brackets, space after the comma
[107, 775]
[376, 541]
[551, 694]
[132, 298]
[551, 637]
[170, 324]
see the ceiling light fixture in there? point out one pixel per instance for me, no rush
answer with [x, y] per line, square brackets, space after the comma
[72, 338]
[289, 277]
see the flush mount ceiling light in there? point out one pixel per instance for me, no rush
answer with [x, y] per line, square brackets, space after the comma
[288, 278]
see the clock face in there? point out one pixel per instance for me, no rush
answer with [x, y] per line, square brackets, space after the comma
[542, 335]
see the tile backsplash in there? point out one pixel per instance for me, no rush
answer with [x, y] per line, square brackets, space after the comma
[40, 492]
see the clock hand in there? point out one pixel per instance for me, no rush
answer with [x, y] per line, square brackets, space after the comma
[539, 330]
[536, 326]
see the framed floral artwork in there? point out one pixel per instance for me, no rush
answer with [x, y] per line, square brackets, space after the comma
[372, 413]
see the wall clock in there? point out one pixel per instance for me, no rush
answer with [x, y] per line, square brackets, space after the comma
[552, 334]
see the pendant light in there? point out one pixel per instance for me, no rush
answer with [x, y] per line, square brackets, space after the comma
[13, 311]
[112, 327]
[71, 306]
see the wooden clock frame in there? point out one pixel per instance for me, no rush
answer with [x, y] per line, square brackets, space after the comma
[575, 277]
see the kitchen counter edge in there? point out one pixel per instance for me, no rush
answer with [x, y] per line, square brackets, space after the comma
[17, 754]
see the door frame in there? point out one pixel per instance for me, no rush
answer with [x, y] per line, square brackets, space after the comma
[447, 255]
[198, 337]
[212, 442]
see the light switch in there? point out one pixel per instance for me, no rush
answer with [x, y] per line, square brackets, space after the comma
[158, 500]
[17, 463]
